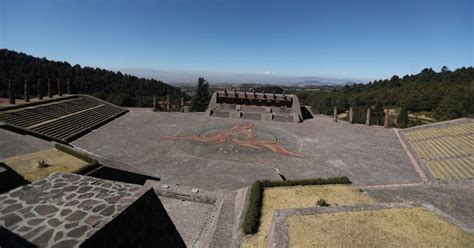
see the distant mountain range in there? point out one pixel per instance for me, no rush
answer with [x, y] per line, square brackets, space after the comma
[178, 78]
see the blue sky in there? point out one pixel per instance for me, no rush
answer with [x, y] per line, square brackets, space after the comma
[339, 39]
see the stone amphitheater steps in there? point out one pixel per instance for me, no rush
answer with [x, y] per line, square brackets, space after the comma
[62, 121]
[447, 149]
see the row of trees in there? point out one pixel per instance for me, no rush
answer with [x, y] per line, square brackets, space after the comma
[115, 87]
[445, 94]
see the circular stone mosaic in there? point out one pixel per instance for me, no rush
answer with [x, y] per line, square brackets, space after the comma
[240, 142]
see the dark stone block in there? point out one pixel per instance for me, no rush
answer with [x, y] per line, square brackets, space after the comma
[55, 222]
[93, 220]
[26, 210]
[72, 203]
[65, 212]
[70, 188]
[71, 225]
[78, 232]
[12, 208]
[85, 196]
[108, 211]
[98, 208]
[24, 229]
[33, 232]
[84, 189]
[11, 220]
[35, 222]
[88, 204]
[59, 185]
[113, 200]
[10, 201]
[78, 215]
[43, 239]
[59, 235]
[46, 209]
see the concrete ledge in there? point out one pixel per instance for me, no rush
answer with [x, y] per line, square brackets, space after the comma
[439, 124]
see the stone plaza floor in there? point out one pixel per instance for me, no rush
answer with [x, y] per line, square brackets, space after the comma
[144, 139]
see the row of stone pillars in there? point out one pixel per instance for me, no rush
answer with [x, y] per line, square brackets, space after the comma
[167, 104]
[386, 121]
[26, 90]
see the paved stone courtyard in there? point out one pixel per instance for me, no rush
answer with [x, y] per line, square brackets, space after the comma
[369, 156]
[223, 156]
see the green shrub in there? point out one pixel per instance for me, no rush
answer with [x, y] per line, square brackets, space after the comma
[402, 119]
[322, 203]
[43, 164]
[252, 216]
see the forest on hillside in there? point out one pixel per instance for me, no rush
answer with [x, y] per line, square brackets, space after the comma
[115, 87]
[442, 95]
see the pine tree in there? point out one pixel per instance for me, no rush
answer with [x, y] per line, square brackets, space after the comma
[402, 119]
[202, 97]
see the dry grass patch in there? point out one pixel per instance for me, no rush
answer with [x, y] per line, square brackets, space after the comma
[406, 227]
[301, 197]
[28, 165]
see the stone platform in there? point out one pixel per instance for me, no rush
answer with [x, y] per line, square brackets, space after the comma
[195, 150]
[65, 210]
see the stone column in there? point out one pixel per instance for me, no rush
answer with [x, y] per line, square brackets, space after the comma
[11, 92]
[68, 87]
[154, 104]
[335, 114]
[26, 90]
[386, 120]
[59, 88]
[40, 90]
[367, 120]
[351, 115]
[182, 104]
[50, 93]
[168, 103]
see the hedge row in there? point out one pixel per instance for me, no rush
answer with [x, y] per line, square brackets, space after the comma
[92, 163]
[252, 216]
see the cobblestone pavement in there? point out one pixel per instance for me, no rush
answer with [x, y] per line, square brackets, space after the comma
[63, 210]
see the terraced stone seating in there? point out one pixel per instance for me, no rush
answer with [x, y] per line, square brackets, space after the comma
[63, 120]
[448, 151]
